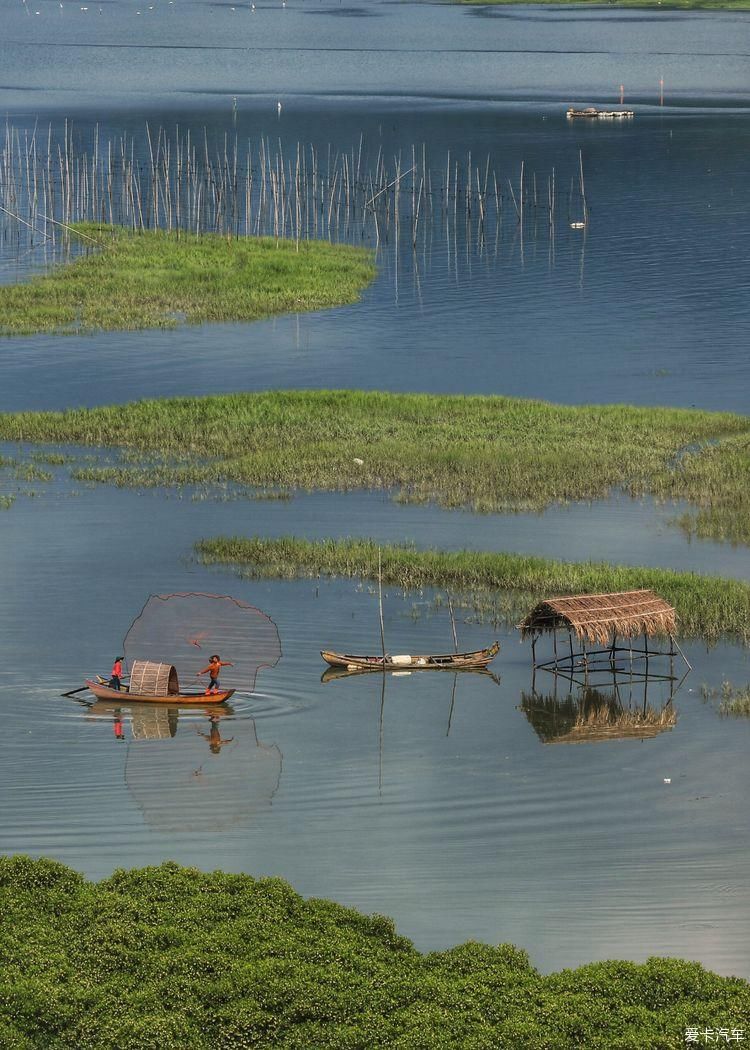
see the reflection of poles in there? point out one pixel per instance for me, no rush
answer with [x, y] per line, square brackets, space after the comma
[453, 701]
[380, 737]
[382, 688]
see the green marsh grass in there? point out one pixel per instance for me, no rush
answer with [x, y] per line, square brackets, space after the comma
[500, 585]
[734, 700]
[487, 454]
[174, 958]
[155, 279]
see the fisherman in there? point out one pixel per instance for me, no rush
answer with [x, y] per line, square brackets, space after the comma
[115, 681]
[215, 665]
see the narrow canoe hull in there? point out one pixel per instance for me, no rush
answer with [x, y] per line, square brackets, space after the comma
[445, 662]
[103, 692]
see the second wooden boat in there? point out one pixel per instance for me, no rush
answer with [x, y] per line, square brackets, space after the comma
[406, 662]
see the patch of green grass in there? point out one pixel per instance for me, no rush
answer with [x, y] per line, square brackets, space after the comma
[155, 279]
[167, 958]
[734, 700]
[6, 502]
[52, 459]
[31, 472]
[483, 453]
[707, 606]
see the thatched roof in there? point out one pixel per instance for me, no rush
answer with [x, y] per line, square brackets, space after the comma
[595, 617]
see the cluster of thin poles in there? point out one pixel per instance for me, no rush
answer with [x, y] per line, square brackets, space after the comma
[182, 181]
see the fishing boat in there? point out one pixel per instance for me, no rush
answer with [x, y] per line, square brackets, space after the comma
[405, 662]
[592, 113]
[104, 692]
[154, 683]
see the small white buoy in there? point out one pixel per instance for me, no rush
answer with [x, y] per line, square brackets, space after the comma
[278, 107]
[577, 225]
[667, 780]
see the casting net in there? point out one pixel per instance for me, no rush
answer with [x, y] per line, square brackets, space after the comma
[187, 629]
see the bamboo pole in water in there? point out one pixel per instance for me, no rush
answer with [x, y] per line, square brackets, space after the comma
[380, 604]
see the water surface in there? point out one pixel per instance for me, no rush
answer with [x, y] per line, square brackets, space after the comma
[437, 801]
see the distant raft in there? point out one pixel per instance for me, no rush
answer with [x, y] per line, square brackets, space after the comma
[592, 113]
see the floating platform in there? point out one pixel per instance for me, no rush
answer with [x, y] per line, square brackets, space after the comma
[592, 113]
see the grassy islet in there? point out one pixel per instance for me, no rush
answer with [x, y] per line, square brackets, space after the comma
[500, 586]
[156, 279]
[488, 454]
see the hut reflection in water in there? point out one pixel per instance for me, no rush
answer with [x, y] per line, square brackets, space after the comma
[589, 715]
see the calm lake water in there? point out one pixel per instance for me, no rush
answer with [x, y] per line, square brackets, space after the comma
[441, 807]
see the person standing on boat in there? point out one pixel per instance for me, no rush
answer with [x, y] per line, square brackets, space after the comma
[115, 681]
[215, 665]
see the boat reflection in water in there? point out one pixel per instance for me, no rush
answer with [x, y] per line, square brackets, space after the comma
[186, 768]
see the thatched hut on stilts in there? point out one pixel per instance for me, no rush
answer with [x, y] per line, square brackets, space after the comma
[601, 624]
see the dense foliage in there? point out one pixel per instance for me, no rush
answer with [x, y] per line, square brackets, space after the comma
[155, 279]
[487, 453]
[171, 957]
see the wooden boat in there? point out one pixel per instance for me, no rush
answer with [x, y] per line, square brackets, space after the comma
[104, 692]
[447, 662]
[592, 113]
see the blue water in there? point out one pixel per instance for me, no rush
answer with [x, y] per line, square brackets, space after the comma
[437, 805]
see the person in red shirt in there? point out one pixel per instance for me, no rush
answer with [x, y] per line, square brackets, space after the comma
[215, 665]
[115, 681]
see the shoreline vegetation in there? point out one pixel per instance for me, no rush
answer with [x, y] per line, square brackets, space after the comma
[486, 454]
[498, 587]
[167, 957]
[157, 279]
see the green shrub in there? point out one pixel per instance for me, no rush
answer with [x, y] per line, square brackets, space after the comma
[166, 957]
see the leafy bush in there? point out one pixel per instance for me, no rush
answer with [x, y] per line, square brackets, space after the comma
[171, 957]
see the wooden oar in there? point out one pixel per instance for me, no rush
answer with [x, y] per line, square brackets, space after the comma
[72, 692]
[83, 688]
